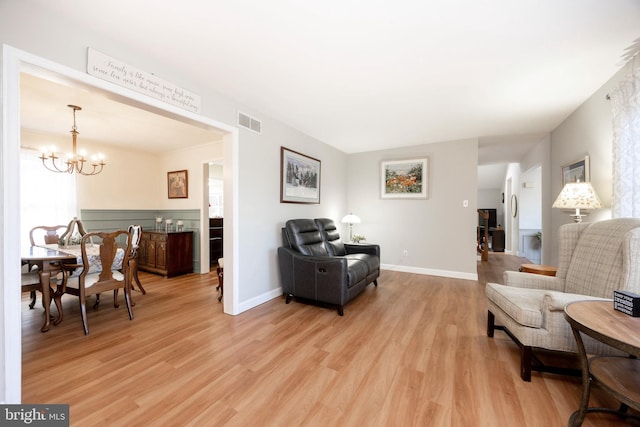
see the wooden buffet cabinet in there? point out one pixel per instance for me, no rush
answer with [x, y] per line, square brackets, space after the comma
[169, 254]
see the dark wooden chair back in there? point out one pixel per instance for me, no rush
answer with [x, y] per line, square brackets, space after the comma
[74, 224]
[110, 276]
[46, 234]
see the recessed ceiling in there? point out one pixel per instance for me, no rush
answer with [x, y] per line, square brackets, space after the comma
[364, 76]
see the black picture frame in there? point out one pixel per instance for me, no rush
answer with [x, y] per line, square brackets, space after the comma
[300, 177]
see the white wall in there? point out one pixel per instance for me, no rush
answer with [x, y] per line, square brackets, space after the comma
[128, 181]
[260, 213]
[530, 196]
[512, 208]
[191, 159]
[490, 198]
[540, 157]
[438, 233]
[256, 205]
[587, 131]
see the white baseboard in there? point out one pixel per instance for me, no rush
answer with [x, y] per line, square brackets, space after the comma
[260, 299]
[276, 293]
[430, 272]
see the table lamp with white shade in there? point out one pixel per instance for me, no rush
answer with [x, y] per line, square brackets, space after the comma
[578, 195]
[351, 219]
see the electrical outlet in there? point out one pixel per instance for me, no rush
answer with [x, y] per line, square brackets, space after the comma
[405, 252]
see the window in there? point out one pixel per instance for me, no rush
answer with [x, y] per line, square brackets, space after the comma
[625, 100]
[46, 198]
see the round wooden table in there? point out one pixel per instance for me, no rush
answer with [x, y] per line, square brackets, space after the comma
[616, 375]
[545, 270]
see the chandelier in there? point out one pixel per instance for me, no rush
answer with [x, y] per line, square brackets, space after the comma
[74, 161]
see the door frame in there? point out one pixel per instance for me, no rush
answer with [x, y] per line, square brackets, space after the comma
[14, 62]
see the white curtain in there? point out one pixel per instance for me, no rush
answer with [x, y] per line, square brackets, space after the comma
[625, 101]
[46, 198]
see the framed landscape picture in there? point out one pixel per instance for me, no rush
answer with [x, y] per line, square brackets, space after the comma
[299, 177]
[404, 179]
[576, 171]
[178, 184]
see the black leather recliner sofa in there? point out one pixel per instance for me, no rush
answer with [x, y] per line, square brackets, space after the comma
[316, 265]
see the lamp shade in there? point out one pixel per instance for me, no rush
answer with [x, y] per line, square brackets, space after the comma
[351, 219]
[577, 195]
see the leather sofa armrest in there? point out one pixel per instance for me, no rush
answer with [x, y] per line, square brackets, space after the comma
[370, 249]
[323, 278]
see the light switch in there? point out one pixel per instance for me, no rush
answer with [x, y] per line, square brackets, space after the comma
[465, 203]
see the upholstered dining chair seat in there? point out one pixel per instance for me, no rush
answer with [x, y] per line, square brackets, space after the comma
[92, 279]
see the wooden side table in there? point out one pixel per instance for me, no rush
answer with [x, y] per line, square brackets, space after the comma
[546, 270]
[616, 375]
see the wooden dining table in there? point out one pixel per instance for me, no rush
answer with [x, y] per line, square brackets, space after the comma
[50, 258]
[49, 261]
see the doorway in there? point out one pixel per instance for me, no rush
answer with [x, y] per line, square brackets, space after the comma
[215, 185]
[14, 63]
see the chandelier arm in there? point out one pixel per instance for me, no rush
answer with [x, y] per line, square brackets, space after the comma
[93, 171]
[75, 162]
[55, 167]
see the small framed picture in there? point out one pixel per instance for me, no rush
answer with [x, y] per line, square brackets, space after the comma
[178, 184]
[299, 178]
[404, 179]
[576, 171]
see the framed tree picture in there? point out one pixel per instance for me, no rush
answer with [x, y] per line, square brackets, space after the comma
[404, 179]
[299, 177]
[178, 184]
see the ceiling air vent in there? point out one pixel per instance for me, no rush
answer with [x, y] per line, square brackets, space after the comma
[248, 122]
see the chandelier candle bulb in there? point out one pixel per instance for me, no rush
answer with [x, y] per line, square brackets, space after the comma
[75, 161]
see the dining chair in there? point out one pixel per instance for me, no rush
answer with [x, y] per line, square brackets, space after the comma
[30, 282]
[46, 235]
[220, 272]
[75, 227]
[100, 274]
[136, 233]
[39, 235]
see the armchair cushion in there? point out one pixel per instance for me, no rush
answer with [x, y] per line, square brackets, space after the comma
[595, 259]
[521, 304]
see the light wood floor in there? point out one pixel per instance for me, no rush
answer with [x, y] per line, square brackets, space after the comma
[411, 352]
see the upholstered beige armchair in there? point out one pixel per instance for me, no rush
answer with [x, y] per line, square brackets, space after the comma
[594, 260]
